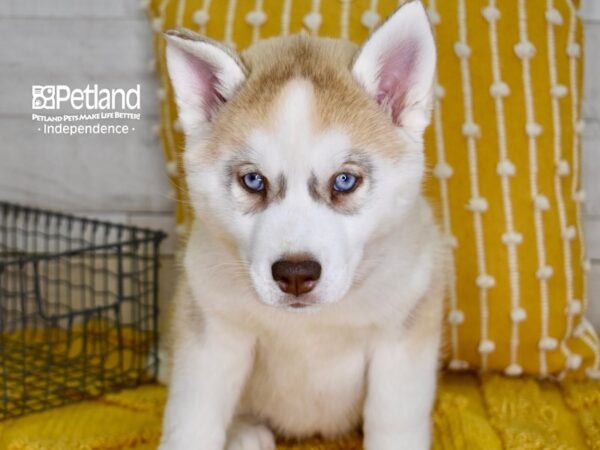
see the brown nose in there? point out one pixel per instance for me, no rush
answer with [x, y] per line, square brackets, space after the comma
[296, 277]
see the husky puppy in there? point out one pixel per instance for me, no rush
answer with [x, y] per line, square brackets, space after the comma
[311, 296]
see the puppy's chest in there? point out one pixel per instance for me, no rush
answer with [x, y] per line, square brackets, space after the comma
[308, 384]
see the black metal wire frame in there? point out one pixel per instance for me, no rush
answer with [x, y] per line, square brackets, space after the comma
[78, 308]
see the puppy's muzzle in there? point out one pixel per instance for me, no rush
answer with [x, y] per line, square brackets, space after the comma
[296, 277]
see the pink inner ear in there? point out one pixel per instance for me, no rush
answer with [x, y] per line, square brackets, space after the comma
[205, 84]
[396, 76]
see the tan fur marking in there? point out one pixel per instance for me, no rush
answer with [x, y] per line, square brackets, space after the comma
[340, 102]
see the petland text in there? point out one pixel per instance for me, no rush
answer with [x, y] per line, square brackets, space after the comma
[54, 97]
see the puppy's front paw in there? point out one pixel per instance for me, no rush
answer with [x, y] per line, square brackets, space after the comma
[248, 436]
[417, 440]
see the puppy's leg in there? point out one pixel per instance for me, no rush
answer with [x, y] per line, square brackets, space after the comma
[402, 378]
[209, 369]
[246, 434]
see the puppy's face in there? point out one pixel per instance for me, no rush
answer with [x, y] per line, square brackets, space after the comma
[301, 154]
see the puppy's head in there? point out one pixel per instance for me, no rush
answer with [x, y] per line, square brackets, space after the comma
[302, 150]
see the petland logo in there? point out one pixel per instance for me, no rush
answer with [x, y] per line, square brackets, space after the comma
[91, 97]
[93, 104]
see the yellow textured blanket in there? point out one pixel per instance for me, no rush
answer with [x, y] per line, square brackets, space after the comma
[471, 413]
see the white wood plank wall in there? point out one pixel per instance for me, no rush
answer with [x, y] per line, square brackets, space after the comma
[108, 42]
[590, 12]
[80, 42]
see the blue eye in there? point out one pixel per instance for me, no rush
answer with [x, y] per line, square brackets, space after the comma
[345, 182]
[254, 182]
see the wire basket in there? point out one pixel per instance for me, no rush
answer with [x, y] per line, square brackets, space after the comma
[78, 308]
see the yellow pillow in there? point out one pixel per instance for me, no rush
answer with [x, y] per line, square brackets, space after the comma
[503, 149]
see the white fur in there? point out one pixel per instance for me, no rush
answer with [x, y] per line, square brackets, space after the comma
[365, 352]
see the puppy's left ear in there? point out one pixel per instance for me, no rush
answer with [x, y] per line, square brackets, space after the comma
[396, 66]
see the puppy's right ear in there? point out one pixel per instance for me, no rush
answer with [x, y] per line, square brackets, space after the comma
[204, 75]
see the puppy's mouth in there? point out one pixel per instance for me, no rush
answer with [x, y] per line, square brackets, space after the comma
[300, 304]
